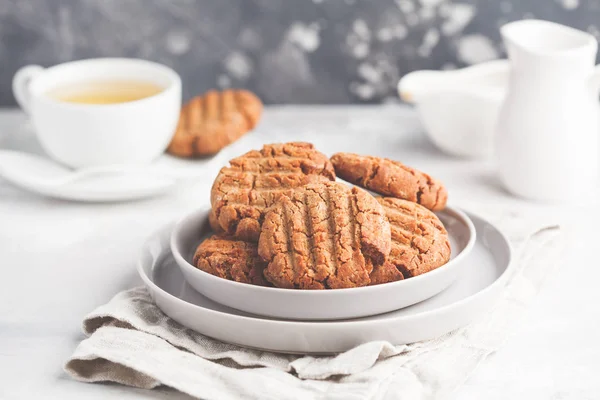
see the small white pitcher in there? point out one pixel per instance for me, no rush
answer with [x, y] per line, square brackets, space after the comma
[547, 132]
[459, 108]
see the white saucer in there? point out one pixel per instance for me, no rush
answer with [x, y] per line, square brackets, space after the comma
[37, 173]
[98, 189]
[321, 304]
[474, 292]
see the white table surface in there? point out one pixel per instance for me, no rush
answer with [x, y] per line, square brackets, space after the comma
[62, 259]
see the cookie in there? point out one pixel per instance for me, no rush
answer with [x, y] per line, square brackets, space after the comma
[391, 178]
[243, 192]
[210, 122]
[214, 224]
[324, 236]
[230, 259]
[419, 240]
[385, 273]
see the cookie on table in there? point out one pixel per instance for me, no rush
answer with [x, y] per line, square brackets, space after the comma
[391, 178]
[230, 259]
[214, 120]
[253, 182]
[419, 240]
[324, 236]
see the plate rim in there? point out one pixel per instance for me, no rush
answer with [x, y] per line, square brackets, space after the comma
[326, 323]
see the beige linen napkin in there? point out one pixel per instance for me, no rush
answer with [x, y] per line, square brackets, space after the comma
[130, 341]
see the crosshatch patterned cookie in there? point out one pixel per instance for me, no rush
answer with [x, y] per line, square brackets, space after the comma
[214, 120]
[243, 192]
[391, 178]
[230, 259]
[419, 240]
[324, 236]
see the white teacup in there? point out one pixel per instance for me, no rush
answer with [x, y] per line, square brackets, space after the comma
[84, 135]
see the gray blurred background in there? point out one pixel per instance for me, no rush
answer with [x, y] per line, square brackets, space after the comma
[287, 51]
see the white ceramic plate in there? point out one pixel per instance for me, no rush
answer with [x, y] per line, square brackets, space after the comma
[320, 304]
[479, 284]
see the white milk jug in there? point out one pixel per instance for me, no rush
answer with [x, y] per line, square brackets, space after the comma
[547, 131]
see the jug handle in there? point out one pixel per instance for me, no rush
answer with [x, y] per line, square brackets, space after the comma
[594, 81]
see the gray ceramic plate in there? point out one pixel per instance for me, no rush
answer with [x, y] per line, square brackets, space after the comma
[473, 293]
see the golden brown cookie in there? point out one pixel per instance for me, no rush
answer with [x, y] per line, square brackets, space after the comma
[210, 122]
[324, 236]
[214, 224]
[385, 273]
[230, 259]
[419, 240]
[253, 182]
[391, 178]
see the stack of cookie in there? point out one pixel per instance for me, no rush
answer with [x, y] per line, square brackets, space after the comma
[281, 220]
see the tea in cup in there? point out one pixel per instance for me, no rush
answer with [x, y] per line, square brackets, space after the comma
[105, 91]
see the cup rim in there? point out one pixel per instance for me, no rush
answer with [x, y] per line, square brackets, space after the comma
[172, 76]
